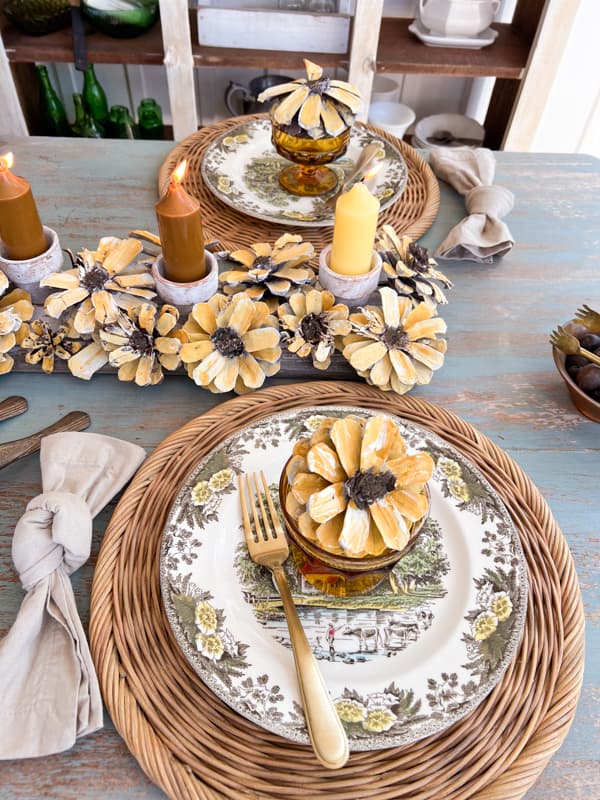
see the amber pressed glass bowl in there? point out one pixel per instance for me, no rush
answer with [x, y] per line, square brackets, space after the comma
[308, 175]
[339, 575]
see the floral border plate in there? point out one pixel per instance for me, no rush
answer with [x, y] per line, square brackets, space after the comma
[402, 662]
[241, 169]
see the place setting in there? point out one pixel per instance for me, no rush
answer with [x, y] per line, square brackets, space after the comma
[324, 583]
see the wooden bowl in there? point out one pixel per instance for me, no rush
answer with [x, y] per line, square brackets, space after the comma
[582, 401]
[345, 564]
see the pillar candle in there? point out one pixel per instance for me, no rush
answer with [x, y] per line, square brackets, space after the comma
[180, 230]
[354, 229]
[21, 230]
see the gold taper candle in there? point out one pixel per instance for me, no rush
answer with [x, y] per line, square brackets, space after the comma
[354, 229]
[180, 229]
[21, 230]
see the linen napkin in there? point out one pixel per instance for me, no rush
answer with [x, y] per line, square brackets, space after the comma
[49, 693]
[482, 235]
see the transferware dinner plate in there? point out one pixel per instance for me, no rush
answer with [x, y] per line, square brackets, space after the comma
[405, 661]
[241, 168]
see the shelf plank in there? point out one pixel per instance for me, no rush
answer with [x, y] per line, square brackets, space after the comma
[400, 51]
[58, 47]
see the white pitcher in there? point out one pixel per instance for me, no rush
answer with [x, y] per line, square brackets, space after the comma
[457, 17]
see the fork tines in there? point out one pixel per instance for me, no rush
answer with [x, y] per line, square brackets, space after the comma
[271, 527]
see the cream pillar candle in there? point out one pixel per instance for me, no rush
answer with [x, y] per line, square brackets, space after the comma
[354, 229]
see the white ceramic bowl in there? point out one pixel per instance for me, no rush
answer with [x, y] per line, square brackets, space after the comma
[385, 89]
[394, 118]
[463, 131]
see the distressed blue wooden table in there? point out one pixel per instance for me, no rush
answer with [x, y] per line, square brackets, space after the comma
[498, 375]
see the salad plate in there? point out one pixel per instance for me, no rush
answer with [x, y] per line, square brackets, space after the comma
[241, 168]
[402, 662]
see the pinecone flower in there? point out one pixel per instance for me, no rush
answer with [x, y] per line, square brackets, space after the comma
[45, 344]
[102, 282]
[396, 346]
[15, 310]
[267, 272]
[319, 105]
[144, 343]
[409, 268]
[316, 323]
[354, 488]
[233, 344]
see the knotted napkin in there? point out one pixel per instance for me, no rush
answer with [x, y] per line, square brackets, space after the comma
[49, 693]
[482, 235]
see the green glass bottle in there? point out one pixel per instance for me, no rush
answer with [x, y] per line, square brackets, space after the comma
[121, 124]
[94, 98]
[150, 119]
[84, 125]
[54, 119]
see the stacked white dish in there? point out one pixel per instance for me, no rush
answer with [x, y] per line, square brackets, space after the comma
[447, 130]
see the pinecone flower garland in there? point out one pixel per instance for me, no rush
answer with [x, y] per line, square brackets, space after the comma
[15, 310]
[268, 273]
[409, 268]
[354, 488]
[102, 282]
[316, 323]
[144, 343]
[317, 104]
[233, 344]
[45, 344]
[396, 346]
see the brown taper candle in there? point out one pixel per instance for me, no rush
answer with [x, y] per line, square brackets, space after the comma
[180, 229]
[21, 230]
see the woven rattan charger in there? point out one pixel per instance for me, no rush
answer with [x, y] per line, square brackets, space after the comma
[412, 214]
[194, 746]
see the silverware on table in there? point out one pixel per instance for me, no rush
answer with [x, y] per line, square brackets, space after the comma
[11, 451]
[12, 407]
[363, 162]
[570, 345]
[269, 548]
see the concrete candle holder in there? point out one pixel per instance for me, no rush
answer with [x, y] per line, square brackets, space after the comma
[352, 290]
[186, 295]
[28, 273]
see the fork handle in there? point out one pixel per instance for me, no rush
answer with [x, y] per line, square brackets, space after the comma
[325, 729]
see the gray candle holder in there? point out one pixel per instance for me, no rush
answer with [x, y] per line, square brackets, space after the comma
[27, 273]
[352, 290]
[186, 295]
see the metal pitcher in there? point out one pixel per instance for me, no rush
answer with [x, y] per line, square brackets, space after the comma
[240, 99]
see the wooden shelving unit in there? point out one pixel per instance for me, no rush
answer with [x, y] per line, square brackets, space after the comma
[397, 51]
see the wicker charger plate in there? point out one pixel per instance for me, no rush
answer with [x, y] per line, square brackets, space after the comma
[194, 746]
[412, 214]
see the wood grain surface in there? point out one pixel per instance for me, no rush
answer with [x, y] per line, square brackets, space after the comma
[499, 376]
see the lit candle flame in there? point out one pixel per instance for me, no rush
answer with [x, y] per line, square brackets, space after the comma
[6, 161]
[372, 172]
[179, 172]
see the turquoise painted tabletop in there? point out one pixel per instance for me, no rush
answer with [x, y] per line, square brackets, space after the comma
[498, 375]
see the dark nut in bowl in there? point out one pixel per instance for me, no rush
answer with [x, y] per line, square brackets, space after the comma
[584, 403]
[345, 564]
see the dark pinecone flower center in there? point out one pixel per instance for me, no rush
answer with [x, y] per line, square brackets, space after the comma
[395, 338]
[365, 488]
[227, 342]
[320, 86]
[141, 342]
[418, 257]
[313, 328]
[94, 279]
[264, 262]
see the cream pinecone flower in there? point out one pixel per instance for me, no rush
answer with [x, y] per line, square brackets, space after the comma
[15, 310]
[102, 282]
[317, 325]
[233, 344]
[396, 346]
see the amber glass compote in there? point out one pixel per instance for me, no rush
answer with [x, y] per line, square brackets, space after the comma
[307, 175]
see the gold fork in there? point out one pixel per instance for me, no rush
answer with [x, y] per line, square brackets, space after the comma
[269, 548]
[588, 317]
[569, 344]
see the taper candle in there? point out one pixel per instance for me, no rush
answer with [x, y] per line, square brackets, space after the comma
[21, 230]
[180, 230]
[354, 227]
